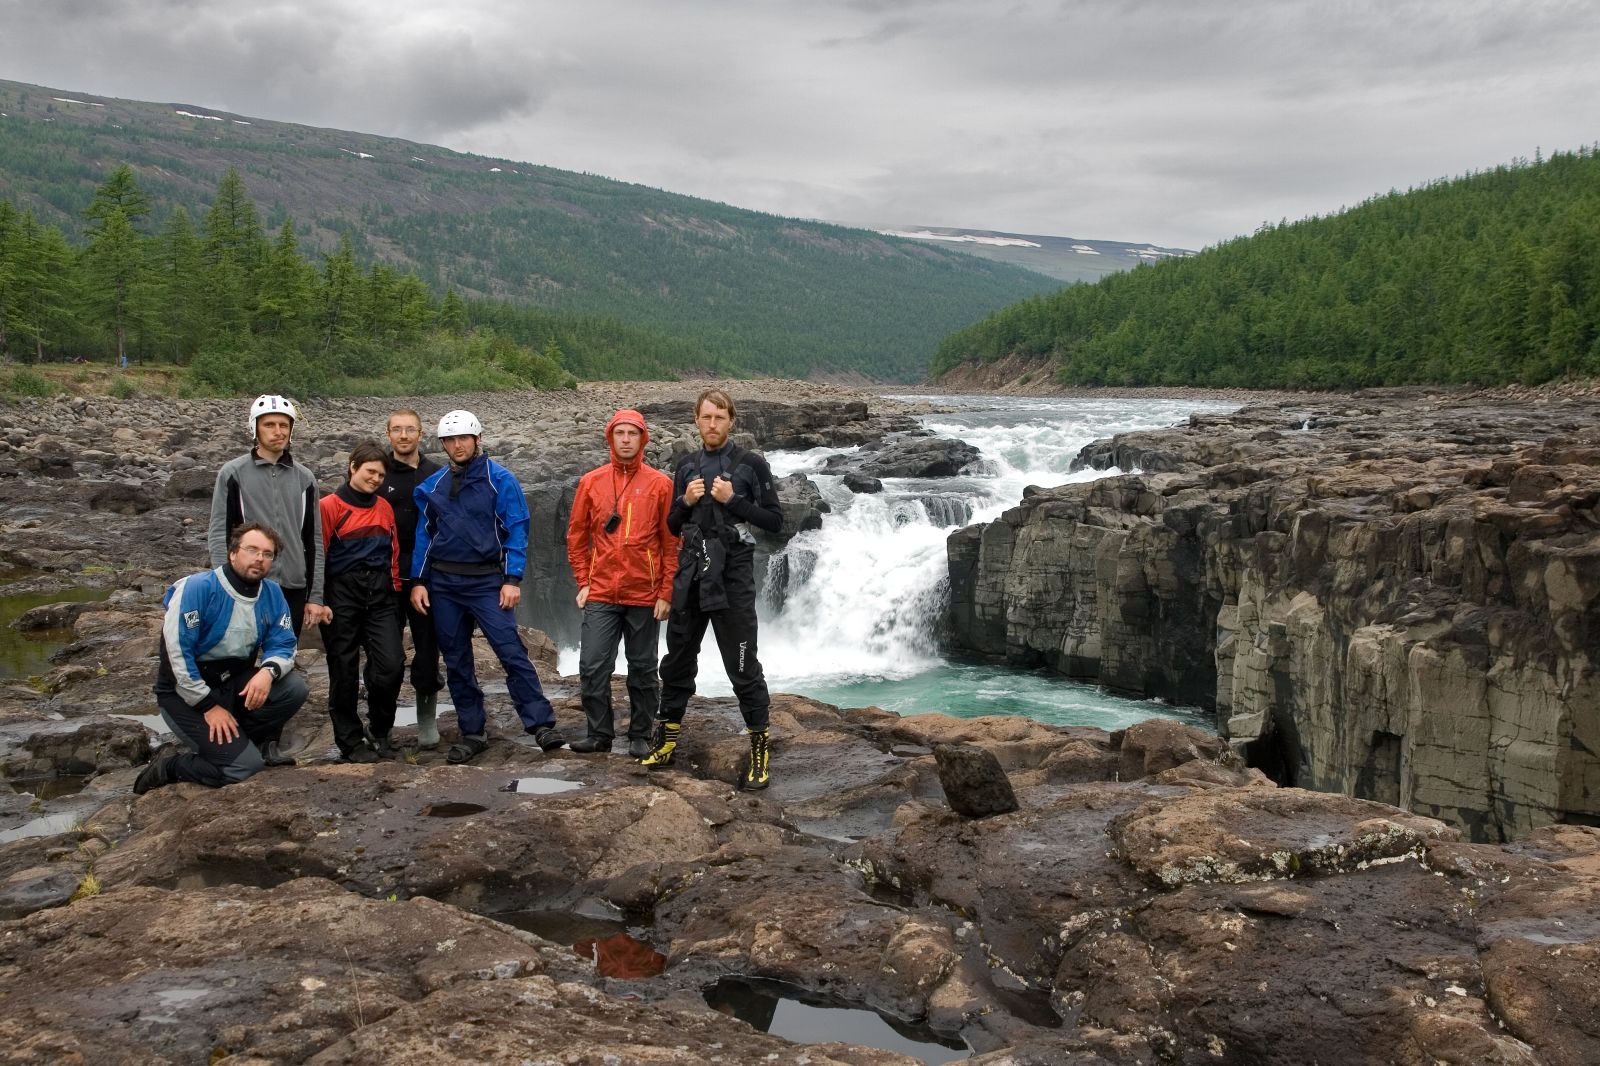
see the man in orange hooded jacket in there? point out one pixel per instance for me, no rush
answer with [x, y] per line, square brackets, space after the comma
[624, 558]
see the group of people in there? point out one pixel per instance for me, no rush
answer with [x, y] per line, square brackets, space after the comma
[407, 543]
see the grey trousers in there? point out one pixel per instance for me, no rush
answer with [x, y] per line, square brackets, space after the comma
[216, 765]
[605, 625]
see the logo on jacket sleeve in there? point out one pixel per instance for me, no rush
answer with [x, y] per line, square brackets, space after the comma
[283, 621]
[191, 619]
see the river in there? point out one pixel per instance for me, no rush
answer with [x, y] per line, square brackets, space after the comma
[852, 611]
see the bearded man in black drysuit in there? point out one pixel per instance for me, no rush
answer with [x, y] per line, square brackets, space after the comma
[718, 492]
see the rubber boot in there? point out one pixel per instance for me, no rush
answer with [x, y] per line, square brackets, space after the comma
[662, 755]
[757, 774]
[428, 720]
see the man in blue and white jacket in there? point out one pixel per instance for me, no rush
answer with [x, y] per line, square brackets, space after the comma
[227, 682]
[471, 549]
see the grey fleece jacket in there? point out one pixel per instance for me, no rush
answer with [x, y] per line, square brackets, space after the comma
[282, 495]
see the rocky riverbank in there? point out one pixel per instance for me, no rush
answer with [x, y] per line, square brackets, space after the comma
[1151, 899]
[1393, 595]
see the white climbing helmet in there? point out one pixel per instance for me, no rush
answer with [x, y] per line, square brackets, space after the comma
[459, 424]
[272, 404]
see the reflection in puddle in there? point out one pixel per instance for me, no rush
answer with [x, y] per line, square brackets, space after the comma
[608, 943]
[49, 788]
[49, 825]
[541, 786]
[26, 654]
[451, 810]
[620, 955]
[804, 1018]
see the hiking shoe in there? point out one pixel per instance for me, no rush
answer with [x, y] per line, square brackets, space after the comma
[469, 747]
[549, 738]
[666, 750]
[361, 753]
[158, 773]
[591, 745]
[638, 747]
[272, 754]
[385, 747]
[757, 773]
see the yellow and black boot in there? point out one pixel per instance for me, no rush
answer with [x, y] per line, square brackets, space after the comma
[758, 774]
[666, 748]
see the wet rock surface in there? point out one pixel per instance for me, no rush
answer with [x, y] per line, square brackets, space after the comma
[1151, 899]
[1394, 595]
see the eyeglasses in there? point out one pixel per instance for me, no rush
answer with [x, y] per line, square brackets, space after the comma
[250, 550]
[404, 431]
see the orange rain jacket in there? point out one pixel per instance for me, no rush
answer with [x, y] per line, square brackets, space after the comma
[634, 564]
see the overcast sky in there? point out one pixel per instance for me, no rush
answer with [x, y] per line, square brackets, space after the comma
[1181, 122]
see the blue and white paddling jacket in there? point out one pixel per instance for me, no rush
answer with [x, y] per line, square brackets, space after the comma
[471, 520]
[212, 631]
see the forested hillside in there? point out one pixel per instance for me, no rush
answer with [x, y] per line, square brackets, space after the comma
[733, 289]
[1490, 278]
[239, 312]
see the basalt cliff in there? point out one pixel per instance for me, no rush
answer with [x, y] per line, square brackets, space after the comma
[1394, 596]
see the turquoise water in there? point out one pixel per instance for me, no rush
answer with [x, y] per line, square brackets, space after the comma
[966, 690]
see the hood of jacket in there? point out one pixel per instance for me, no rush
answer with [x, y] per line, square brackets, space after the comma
[628, 417]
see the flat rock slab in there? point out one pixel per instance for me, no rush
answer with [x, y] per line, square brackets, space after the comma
[1259, 834]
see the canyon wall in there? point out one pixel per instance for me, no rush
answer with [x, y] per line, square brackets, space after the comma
[1395, 595]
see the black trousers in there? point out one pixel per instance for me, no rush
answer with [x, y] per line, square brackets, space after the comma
[426, 676]
[605, 625]
[297, 607]
[366, 618]
[735, 629]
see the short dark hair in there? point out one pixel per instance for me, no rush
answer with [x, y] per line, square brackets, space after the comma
[236, 537]
[718, 398]
[367, 451]
[401, 411]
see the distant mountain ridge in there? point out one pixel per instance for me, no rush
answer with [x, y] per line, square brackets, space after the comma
[1069, 259]
[757, 292]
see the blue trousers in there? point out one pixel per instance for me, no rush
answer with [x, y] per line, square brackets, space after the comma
[457, 601]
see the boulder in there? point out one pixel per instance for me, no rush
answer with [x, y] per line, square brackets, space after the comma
[974, 784]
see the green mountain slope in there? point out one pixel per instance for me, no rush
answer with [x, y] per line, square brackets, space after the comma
[762, 294]
[1490, 278]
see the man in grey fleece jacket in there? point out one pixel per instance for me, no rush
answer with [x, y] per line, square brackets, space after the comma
[266, 485]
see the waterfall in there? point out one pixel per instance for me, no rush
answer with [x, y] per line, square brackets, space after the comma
[851, 610]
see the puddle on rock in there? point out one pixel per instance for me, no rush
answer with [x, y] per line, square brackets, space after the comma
[607, 942]
[541, 786]
[451, 810]
[49, 825]
[49, 788]
[797, 1015]
[24, 655]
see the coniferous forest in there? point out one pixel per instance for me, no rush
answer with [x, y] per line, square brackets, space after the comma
[1487, 279]
[242, 310]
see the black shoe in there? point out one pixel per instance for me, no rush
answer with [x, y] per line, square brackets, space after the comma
[639, 747]
[385, 747]
[361, 753]
[467, 748]
[548, 738]
[590, 745]
[158, 773]
[272, 754]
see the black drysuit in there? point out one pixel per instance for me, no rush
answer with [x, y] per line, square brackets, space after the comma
[716, 583]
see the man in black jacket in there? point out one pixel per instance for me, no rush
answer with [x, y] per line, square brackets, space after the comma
[408, 468]
[718, 492]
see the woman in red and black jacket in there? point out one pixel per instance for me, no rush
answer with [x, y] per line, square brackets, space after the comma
[362, 552]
